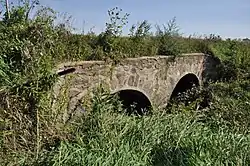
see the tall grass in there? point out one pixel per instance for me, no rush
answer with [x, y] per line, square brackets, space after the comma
[107, 137]
[33, 133]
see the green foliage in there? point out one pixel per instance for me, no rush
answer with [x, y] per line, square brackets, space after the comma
[31, 131]
[19, 13]
[108, 39]
[140, 31]
[167, 36]
[231, 107]
[235, 59]
[106, 137]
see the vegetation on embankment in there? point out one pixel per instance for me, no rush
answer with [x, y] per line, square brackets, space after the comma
[31, 135]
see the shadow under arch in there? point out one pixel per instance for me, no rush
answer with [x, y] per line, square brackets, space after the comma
[186, 83]
[134, 101]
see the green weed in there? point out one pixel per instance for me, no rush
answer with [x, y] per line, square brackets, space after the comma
[32, 132]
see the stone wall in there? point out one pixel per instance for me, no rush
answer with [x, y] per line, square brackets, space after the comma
[155, 77]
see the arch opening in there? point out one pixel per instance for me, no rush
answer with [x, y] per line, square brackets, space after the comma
[134, 102]
[184, 89]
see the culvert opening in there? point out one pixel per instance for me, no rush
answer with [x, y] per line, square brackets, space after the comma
[66, 71]
[186, 89]
[134, 102]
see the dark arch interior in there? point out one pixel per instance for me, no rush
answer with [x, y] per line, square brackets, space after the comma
[186, 83]
[134, 102]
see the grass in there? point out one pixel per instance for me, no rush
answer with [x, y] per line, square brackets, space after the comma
[106, 137]
[33, 133]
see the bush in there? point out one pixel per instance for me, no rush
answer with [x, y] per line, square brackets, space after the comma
[33, 133]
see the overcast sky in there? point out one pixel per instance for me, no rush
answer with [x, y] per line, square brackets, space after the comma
[227, 18]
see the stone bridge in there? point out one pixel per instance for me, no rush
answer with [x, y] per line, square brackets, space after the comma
[148, 81]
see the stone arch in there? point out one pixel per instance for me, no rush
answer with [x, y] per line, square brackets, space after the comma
[186, 82]
[135, 98]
